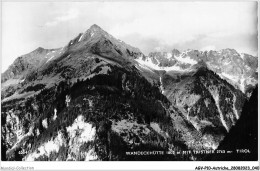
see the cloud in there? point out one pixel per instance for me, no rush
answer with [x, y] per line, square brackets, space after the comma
[71, 14]
[180, 23]
[208, 48]
[149, 26]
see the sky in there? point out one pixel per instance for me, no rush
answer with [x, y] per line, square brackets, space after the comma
[150, 26]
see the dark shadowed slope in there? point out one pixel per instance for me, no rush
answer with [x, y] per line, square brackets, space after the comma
[244, 135]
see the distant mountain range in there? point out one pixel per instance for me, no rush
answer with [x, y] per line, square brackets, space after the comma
[98, 98]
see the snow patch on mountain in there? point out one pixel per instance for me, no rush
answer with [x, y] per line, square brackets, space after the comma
[237, 80]
[234, 107]
[148, 63]
[80, 37]
[169, 55]
[50, 59]
[140, 67]
[161, 85]
[231, 77]
[55, 114]
[158, 62]
[242, 55]
[45, 123]
[215, 94]
[183, 58]
[241, 81]
[176, 68]
[156, 127]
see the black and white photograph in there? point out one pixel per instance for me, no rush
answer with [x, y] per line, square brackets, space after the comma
[129, 81]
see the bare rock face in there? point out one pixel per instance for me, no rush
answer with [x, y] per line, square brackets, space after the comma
[240, 70]
[175, 52]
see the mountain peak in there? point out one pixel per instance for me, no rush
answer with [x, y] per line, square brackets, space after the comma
[175, 52]
[95, 30]
[39, 49]
[95, 27]
[229, 50]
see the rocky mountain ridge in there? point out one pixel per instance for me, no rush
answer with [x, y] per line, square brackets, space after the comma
[240, 70]
[98, 98]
